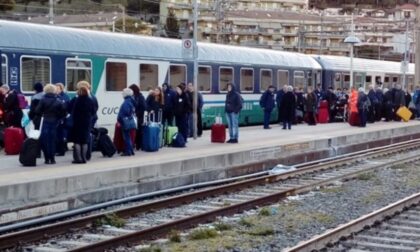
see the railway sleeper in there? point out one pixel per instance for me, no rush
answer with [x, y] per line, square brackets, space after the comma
[373, 246]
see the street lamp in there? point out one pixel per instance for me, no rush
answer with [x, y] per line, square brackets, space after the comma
[352, 40]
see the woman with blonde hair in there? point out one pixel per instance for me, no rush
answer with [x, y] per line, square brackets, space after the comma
[155, 103]
[52, 111]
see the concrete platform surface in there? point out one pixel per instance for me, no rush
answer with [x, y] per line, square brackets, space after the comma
[37, 184]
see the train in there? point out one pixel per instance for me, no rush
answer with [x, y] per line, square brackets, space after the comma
[112, 61]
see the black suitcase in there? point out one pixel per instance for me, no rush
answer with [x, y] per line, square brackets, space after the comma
[29, 152]
[106, 146]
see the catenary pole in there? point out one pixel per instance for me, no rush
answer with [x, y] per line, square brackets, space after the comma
[195, 55]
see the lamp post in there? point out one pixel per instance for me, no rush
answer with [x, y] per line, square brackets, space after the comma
[195, 78]
[113, 23]
[352, 40]
[405, 64]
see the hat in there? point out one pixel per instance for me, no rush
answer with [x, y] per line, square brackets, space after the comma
[38, 87]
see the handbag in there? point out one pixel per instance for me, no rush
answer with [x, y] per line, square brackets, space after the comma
[129, 123]
[33, 133]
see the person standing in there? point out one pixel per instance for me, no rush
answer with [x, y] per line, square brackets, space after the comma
[140, 107]
[200, 104]
[310, 106]
[289, 106]
[155, 102]
[267, 104]
[332, 100]
[36, 98]
[416, 100]
[363, 105]
[398, 100]
[52, 110]
[233, 106]
[279, 97]
[379, 109]
[82, 113]
[168, 108]
[62, 130]
[12, 112]
[371, 117]
[181, 109]
[125, 115]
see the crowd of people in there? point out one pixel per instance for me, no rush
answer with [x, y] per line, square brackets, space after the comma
[294, 106]
[62, 120]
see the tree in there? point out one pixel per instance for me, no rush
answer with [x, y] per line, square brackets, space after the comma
[172, 25]
[7, 5]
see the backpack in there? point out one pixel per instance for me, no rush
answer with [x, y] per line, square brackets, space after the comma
[23, 103]
[178, 141]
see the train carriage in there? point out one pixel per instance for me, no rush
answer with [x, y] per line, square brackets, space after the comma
[336, 72]
[113, 61]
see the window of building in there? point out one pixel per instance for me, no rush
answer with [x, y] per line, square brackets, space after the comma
[34, 69]
[299, 79]
[204, 79]
[77, 70]
[247, 80]
[266, 79]
[225, 77]
[177, 74]
[149, 76]
[282, 78]
[116, 76]
[4, 69]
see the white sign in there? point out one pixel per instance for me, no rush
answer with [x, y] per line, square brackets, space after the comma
[187, 49]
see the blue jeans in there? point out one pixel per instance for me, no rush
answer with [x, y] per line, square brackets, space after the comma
[48, 139]
[233, 124]
[128, 145]
[267, 114]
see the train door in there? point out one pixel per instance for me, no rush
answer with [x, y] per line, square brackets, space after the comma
[299, 79]
[4, 69]
[337, 81]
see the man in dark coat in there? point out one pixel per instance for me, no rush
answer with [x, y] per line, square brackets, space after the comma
[371, 117]
[39, 93]
[332, 100]
[379, 109]
[310, 106]
[168, 113]
[181, 109]
[279, 97]
[288, 107]
[363, 104]
[140, 107]
[398, 100]
[267, 104]
[233, 106]
[200, 104]
[388, 105]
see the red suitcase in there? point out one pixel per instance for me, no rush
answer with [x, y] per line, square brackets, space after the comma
[323, 115]
[354, 119]
[118, 138]
[13, 140]
[218, 133]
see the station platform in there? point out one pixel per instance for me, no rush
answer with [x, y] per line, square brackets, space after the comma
[26, 192]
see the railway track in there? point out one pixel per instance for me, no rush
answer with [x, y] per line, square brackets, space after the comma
[155, 219]
[394, 228]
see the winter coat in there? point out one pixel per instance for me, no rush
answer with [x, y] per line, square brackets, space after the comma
[416, 97]
[140, 107]
[373, 97]
[331, 98]
[36, 118]
[12, 112]
[398, 98]
[388, 98]
[279, 97]
[127, 109]
[152, 104]
[288, 106]
[200, 101]
[169, 100]
[267, 101]
[407, 99]
[181, 104]
[95, 109]
[379, 95]
[311, 102]
[83, 111]
[233, 103]
[51, 108]
[363, 102]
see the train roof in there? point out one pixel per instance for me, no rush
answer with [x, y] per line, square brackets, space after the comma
[62, 39]
[340, 63]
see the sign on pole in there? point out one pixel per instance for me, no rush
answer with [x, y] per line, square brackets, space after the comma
[187, 49]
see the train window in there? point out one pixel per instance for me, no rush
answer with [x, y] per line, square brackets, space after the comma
[337, 80]
[34, 69]
[116, 76]
[386, 80]
[346, 83]
[204, 79]
[395, 79]
[299, 79]
[282, 78]
[77, 70]
[266, 79]
[149, 76]
[309, 79]
[247, 80]
[4, 69]
[177, 75]
[225, 77]
[368, 79]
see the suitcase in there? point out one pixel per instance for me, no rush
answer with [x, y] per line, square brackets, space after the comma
[323, 115]
[404, 113]
[29, 152]
[170, 132]
[118, 137]
[106, 146]
[13, 140]
[218, 133]
[151, 139]
[354, 119]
